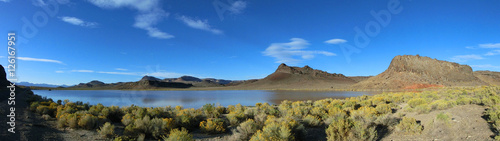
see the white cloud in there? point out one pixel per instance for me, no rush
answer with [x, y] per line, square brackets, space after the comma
[490, 45]
[288, 52]
[2, 56]
[491, 53]
[59, 71]
[149, 14]
[39, 60]
[39, 3]
[121, 69]
[237, 7]
[470, 47]
[88, 71]
[77, 21]
[120, 73]
[5, 0]
[335, 41]
[485, 66]
[199, 24]
[465, 58]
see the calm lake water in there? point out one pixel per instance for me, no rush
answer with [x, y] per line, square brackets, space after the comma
[190, 99]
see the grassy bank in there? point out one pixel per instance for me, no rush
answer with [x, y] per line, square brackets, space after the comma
[355, 118]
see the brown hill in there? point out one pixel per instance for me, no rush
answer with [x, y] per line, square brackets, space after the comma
[490, 77]
[410, 71]
[286, 77]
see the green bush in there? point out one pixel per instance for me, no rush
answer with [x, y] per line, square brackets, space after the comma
[339, 130]
[416, 101]
[107, 130]
[409, 126]
[383, 109]
[128, 119]
[244, 131]
[312, 121]
[442, 104]
[273, 131]
[422, 109]
[112, 113]
[443, 117]
[88, 122]
[213, 126]
[179, 135]
[210, 111]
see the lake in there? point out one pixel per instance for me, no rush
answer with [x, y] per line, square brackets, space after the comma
[191, 99]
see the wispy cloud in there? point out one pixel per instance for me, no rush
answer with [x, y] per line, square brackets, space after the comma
[39, 60]
[121, 69]
[59, 71]
[465, 58]
[199, 24]
[150, 13]
[491, 53]
[5, 0]
[335, 41]
[38, 3]
[87, 71]
[490, 45]
[77, 21]
[120, 73]
[485, 66]
[237, 7]
[289, 52]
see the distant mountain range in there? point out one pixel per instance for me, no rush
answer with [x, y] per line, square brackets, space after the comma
[40, 85]
[404, 72]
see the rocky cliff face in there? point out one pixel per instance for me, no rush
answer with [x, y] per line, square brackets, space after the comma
[490, 77]
[408, 71]
[287, 77]
[306, 70]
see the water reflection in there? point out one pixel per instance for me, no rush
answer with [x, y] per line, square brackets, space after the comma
[190, 99]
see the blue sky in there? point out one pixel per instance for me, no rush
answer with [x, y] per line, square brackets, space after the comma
[69, 41]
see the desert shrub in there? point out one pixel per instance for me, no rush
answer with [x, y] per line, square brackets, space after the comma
[423, 109]
[334, 113]
[383, 109]
[387, 120]
[244, 131]
[107, 130]
[179, 135]
[493, 115]
[188, 117]
[143, 125]
[212, 126]
[312, 121]
[236, 114]
[129, 130]
[266, 108]
[128, 119]
[273, 131]
[210, 111]
[112, 113]
[443, 117]
[62, 122]
[34, 105]
[72, 120]
[319, 112]
[363, 131]
[96, 109]
[350, 104]
[260, 119]
[168, 124]
[157, 127]
[464, 101]
[409, 126]
[364, 113]
[88, 122]
[442, 104]
[416, 101]
[339, 130]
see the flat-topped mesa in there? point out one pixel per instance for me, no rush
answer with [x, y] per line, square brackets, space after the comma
[306, 70]
[431, 68]
[408, 70]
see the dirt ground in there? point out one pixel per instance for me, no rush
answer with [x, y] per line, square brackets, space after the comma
[466, 123]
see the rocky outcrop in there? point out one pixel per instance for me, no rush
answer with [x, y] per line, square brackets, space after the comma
[288, 77]
[490, 77]
[410, 71]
